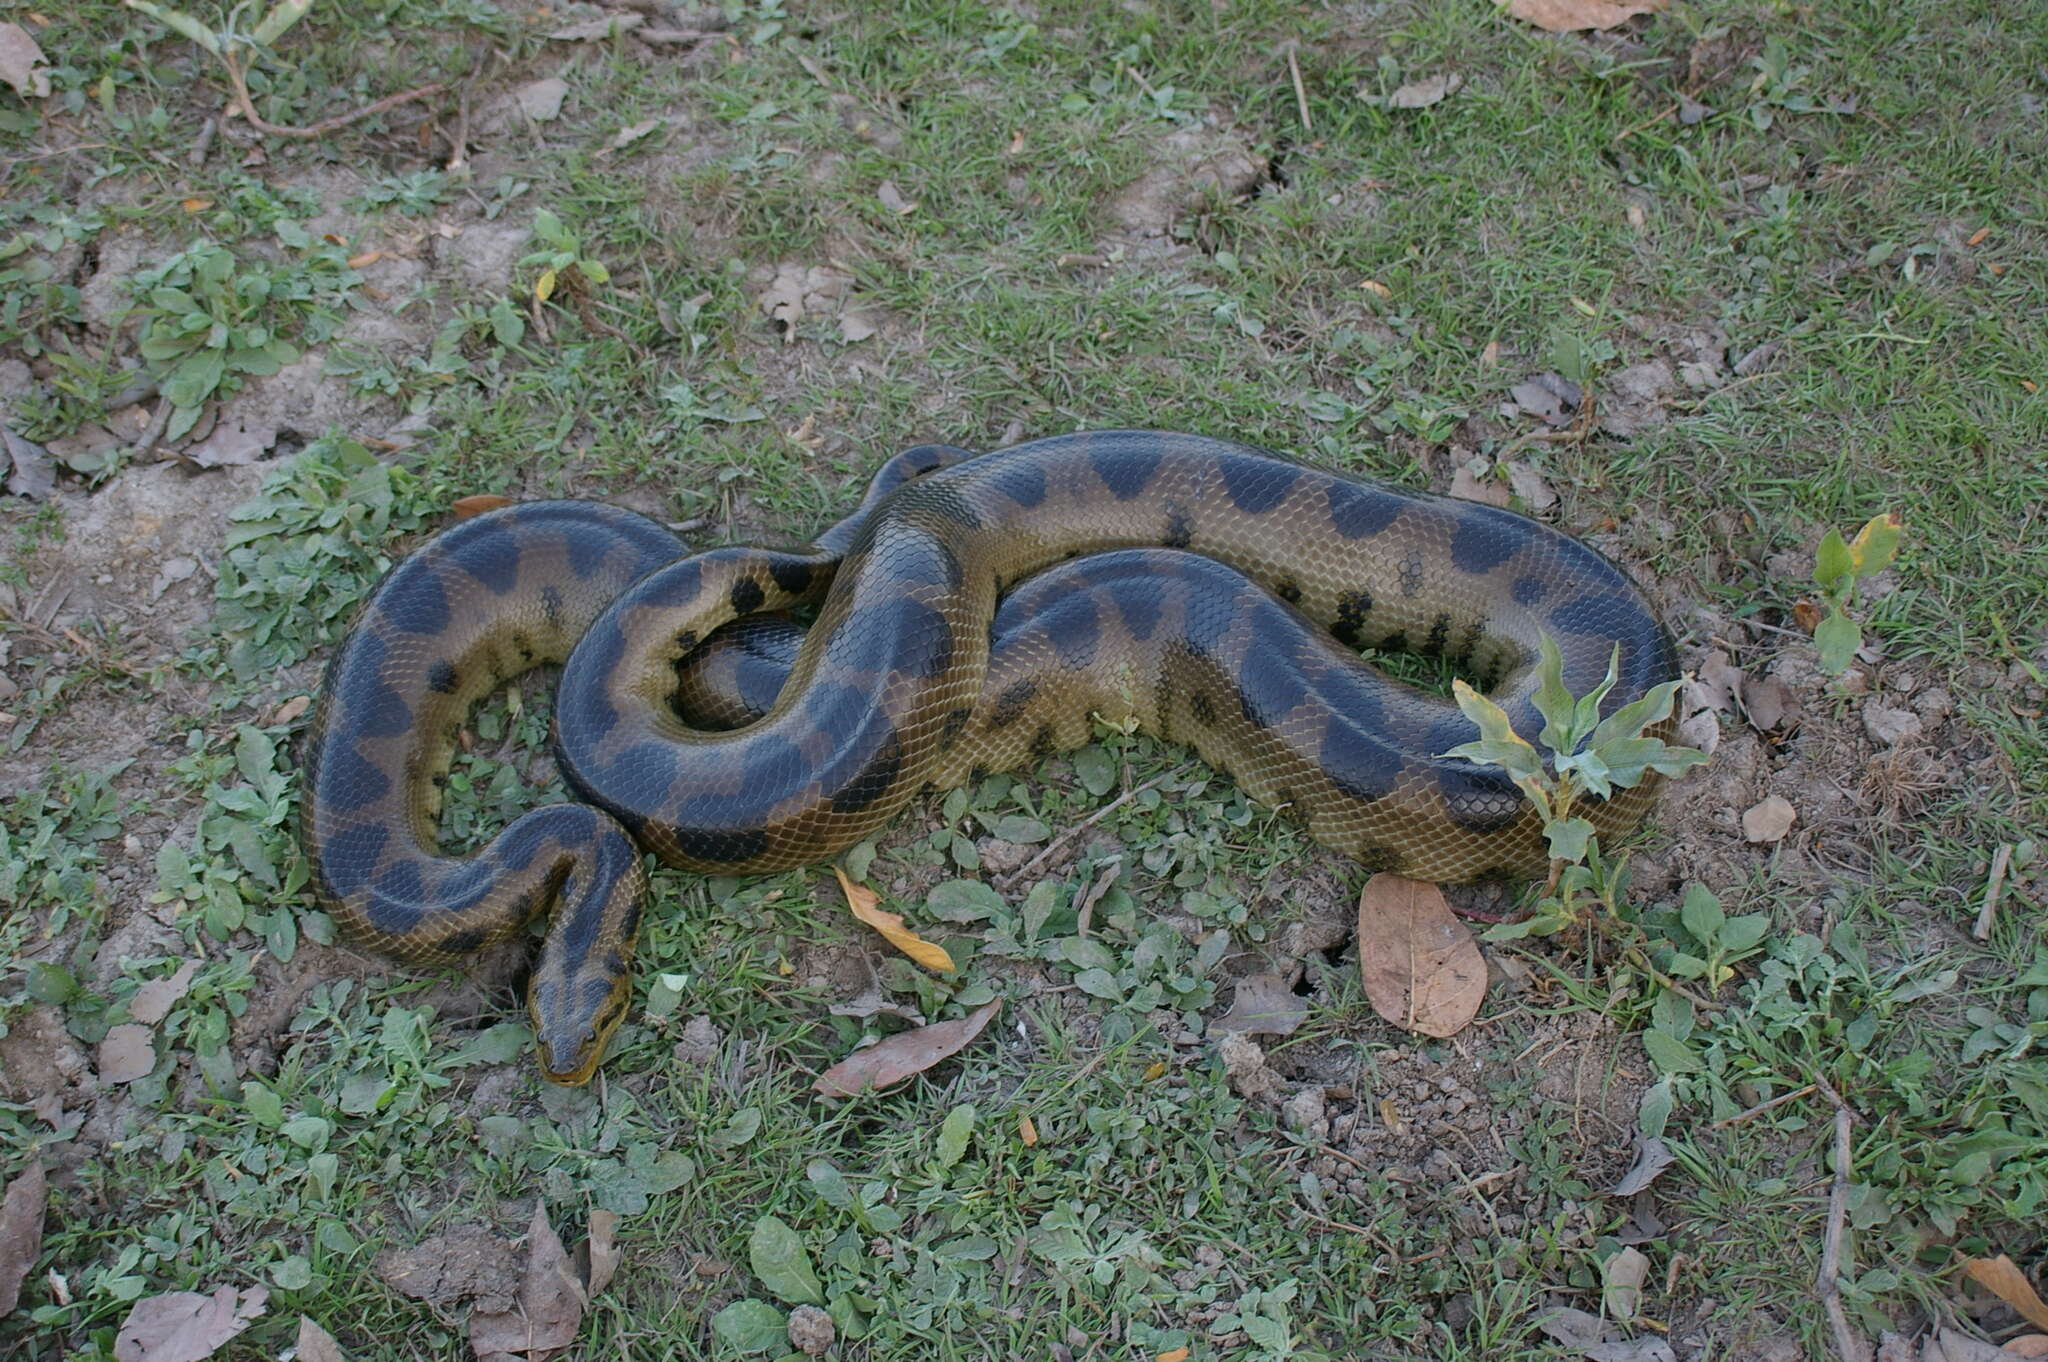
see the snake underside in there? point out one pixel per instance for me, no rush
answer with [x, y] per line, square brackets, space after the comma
[975, 614]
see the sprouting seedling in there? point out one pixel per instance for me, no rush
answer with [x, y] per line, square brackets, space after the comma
[1838, 567]
[1589, 755]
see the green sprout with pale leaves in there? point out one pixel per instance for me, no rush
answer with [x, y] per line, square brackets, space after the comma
[1838, 567]
[1590, 757]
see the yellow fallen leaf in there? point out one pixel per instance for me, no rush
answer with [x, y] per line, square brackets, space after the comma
[2002, 1276]
[1157, 1069]
[1175, 1355]
[544, 287]
[863, 900]
[1027, 1130]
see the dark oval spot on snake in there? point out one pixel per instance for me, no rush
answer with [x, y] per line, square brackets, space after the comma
[1270, 681]
[949, 729]
[413, 599]
[1257, 485]
[1180, 529]
[872, 780]
[1021, 481]
[490, 555]
[1010, 705]
[587, 550]
[441, 677]
[791, 574]
[1599, 613]
[1353, 608]
[1478, 799]
[1202, 709]
[747, 596]
[349, 856]
[1357, 511]
[1140, 600]
[1124, 469]
[722, 846]
[671, 587]
[1360, 764]
[1075, 628]
[902, 635]
[1530, 589]
[1380, 860]
[1485, 538]
[463, 942]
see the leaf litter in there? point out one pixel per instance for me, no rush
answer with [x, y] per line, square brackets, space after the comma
[1423, 971]
[904, 1054]
[184, 1326]
[21, 1231]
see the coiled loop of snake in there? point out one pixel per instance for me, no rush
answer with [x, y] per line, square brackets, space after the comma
[1215, 595]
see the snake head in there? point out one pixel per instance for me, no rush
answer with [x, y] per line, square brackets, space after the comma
[573, 1020]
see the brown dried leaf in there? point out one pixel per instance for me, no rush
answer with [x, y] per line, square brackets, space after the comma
[21, 1232]
[1422, 969]
[154, 1000]
[1264, 1005]
[600, 1254]
[27, 465]
[863, 900]
[316, 1344]
[1420, 94]
[1946, 1345]
[466, 507]
[783, 300]
[2003, 1277]
[1807, 615]
[126, 1054]
[903, 1054]
[22, 64]
[1624, 1275]
[1770, 820]
[1530, 486]
[1768, 702]
[1566, 16]
[184, 1326]
[2027, 1345]
[1469, 486]
[1653, 1156]
[542, 1322]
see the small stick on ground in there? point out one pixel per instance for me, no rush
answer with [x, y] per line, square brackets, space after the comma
[1848, 1345]
[1075, 831]
[1308, 125]
[2001, 861]
[325, 125]
[1760, 1108]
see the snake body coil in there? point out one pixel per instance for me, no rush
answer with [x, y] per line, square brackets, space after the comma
[1215, 594]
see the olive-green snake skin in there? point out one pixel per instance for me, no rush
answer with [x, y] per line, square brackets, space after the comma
[1215, 595]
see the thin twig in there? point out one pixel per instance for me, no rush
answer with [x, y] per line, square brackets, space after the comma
[1760, 1108]
[1642, 962]
[1827, 1286]
[2001, 860]
[1308, 125]
[1071, 833]
[325, 125]
[1650, 122]
[154, 431]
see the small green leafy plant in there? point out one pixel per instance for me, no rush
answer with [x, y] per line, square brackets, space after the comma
[563, 263]
[1589, 756]
[1837, 569]
[210, 318]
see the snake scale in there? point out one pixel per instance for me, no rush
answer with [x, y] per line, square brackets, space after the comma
[975, 613]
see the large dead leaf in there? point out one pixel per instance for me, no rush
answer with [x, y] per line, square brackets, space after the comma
[597, 1258]
[26, 466]
[154, 1000]
[1653, 1156]
[1622, 1291]
[863, 900]
[2003, 1276]
[903, 1054]
[184, 1326]
[127, 1052]
[22, 64]
[1423, 971]
[21, 1232]
[1769, 820]
[1264, 1005]
[1565, 16]
[232, 443]
[316, 1344]
[542, 1320]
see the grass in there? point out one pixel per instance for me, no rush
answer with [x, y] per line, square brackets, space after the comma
[1861, 190]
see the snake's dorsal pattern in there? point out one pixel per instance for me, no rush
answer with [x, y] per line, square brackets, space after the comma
[1214, 595]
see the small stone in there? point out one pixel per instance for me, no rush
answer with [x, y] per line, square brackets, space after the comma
[1770, 820]
[1888, 726]
[810, 1330]
[1306, 1114]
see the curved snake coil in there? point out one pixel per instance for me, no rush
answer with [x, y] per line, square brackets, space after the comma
[1215, 595]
